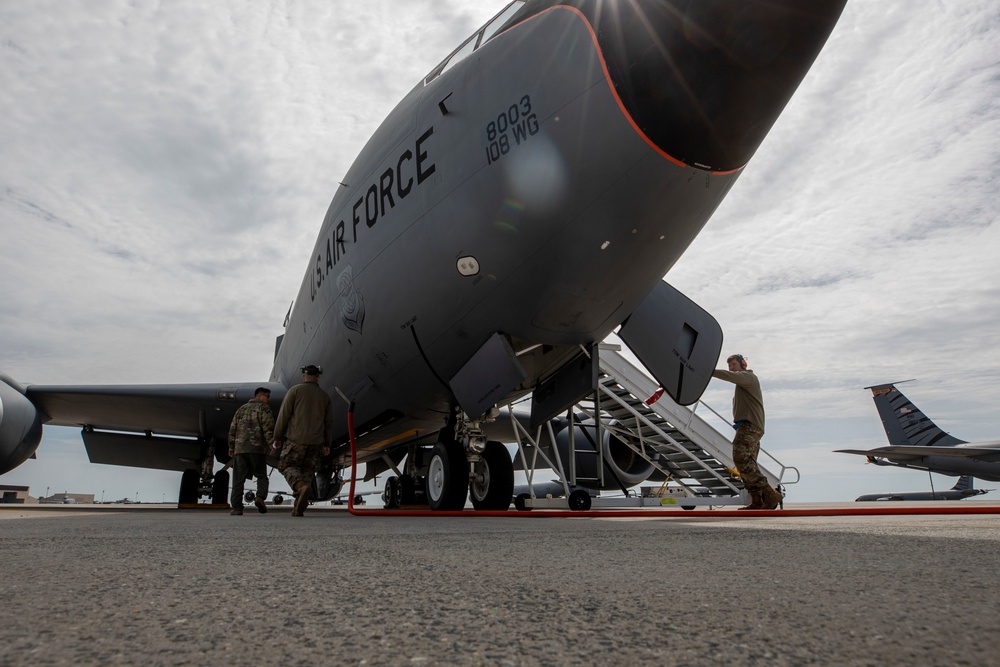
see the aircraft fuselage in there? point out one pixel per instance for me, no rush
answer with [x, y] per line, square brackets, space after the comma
[514, 193]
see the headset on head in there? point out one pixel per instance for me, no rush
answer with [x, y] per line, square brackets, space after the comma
[740, 358]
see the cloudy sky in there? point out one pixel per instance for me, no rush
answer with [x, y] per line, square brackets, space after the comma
[166, 166]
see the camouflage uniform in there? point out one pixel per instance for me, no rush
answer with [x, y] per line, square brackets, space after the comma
[746, 446]
[299, 462]
[250, 436]
[305, 422]
[748, 415]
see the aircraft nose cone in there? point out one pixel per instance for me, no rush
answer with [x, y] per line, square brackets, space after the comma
[705, 80]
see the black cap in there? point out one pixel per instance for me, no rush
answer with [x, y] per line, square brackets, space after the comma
[312, 369]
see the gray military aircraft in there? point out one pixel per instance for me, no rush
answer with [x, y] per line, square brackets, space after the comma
[524, 200]
[962, 489]
[917, 442]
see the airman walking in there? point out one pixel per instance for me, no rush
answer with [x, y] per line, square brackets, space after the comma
[303, 432]
[249, 434]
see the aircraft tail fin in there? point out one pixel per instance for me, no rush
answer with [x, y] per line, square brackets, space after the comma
[964, 483]
[904, 423]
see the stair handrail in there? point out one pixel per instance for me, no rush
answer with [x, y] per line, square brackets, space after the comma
[610, 356]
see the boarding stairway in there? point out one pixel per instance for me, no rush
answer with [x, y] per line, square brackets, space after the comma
[694, 458]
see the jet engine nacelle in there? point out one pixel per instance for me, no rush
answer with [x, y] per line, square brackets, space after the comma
[20, 426]
[628, 466]
[326, 484]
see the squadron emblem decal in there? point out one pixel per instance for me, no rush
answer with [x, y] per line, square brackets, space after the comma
[352, 306]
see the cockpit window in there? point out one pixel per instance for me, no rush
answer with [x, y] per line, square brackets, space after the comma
[463, 51]
[498, 21]
[478, 39]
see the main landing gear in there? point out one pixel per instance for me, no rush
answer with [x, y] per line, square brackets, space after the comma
[196, 484]
[460, 467]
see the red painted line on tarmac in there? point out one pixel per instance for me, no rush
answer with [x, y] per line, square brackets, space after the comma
[652, 513]
[688, 514]
[685, 514]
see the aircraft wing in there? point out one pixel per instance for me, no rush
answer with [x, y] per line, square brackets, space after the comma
[119, 421]
[906, 453]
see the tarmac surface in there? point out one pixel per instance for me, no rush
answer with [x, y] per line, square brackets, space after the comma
[116, 585]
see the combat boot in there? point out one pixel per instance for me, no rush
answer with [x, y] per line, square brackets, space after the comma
[756, 502]
[259, 504]
[301, 499]
[771, 499]
[237, 511]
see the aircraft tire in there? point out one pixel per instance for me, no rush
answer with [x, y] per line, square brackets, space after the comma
[249, 496]
[579, 501]
[188, 494]
[278, 499]
[407, 493]
[390, 495]
[220, 488]
[497, 487]
[447, 477]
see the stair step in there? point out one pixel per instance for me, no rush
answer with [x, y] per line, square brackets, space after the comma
[689, 454]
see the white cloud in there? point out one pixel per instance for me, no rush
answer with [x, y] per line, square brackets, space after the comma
[858, 246]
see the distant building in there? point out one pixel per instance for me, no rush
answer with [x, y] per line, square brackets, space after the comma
[15, 495]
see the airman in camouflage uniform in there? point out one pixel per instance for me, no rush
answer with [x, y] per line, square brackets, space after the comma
[249, 436]
[305, 423]
[748, 418]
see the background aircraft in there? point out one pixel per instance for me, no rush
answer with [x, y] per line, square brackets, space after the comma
[514, 209]
[916, 442]
[962, 489]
